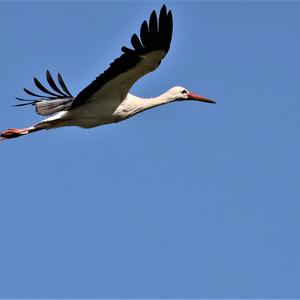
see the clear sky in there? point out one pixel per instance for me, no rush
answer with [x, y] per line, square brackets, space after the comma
[185, 200]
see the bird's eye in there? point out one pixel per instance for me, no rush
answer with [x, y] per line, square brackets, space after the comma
[184, 92]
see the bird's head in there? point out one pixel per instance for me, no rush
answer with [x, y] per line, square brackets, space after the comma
[178, 93]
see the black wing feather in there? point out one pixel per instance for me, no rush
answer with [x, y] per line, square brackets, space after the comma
[168, 29]
[47, 105]
[155, 36]
[53, 84]
[127, 51]
[23, 104]
[31, 93]
[153, 24]
[43, 89]
[144, 33]
[162, 17]
[136, 43]
[63, 85]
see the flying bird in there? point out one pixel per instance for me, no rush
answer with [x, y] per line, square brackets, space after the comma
[107, 99]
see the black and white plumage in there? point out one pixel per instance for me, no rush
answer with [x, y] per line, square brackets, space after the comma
[60, 98]
[107, 99]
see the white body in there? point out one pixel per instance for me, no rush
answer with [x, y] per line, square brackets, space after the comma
[96, 113]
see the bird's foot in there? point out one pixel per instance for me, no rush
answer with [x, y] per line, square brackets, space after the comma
[13, 133]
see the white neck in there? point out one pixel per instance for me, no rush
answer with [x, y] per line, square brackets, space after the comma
[133, 105]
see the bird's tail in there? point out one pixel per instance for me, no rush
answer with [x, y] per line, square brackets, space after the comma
[15, 132]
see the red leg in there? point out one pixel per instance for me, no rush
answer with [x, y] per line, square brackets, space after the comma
[13, 133]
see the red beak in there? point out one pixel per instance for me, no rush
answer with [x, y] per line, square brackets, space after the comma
[193, 96]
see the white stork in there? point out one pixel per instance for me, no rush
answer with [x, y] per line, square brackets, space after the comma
[107, 100]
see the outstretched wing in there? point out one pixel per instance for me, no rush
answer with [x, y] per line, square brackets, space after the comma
[146, 55]
[56, 100]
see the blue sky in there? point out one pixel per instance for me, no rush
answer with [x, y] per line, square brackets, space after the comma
[185, 200]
